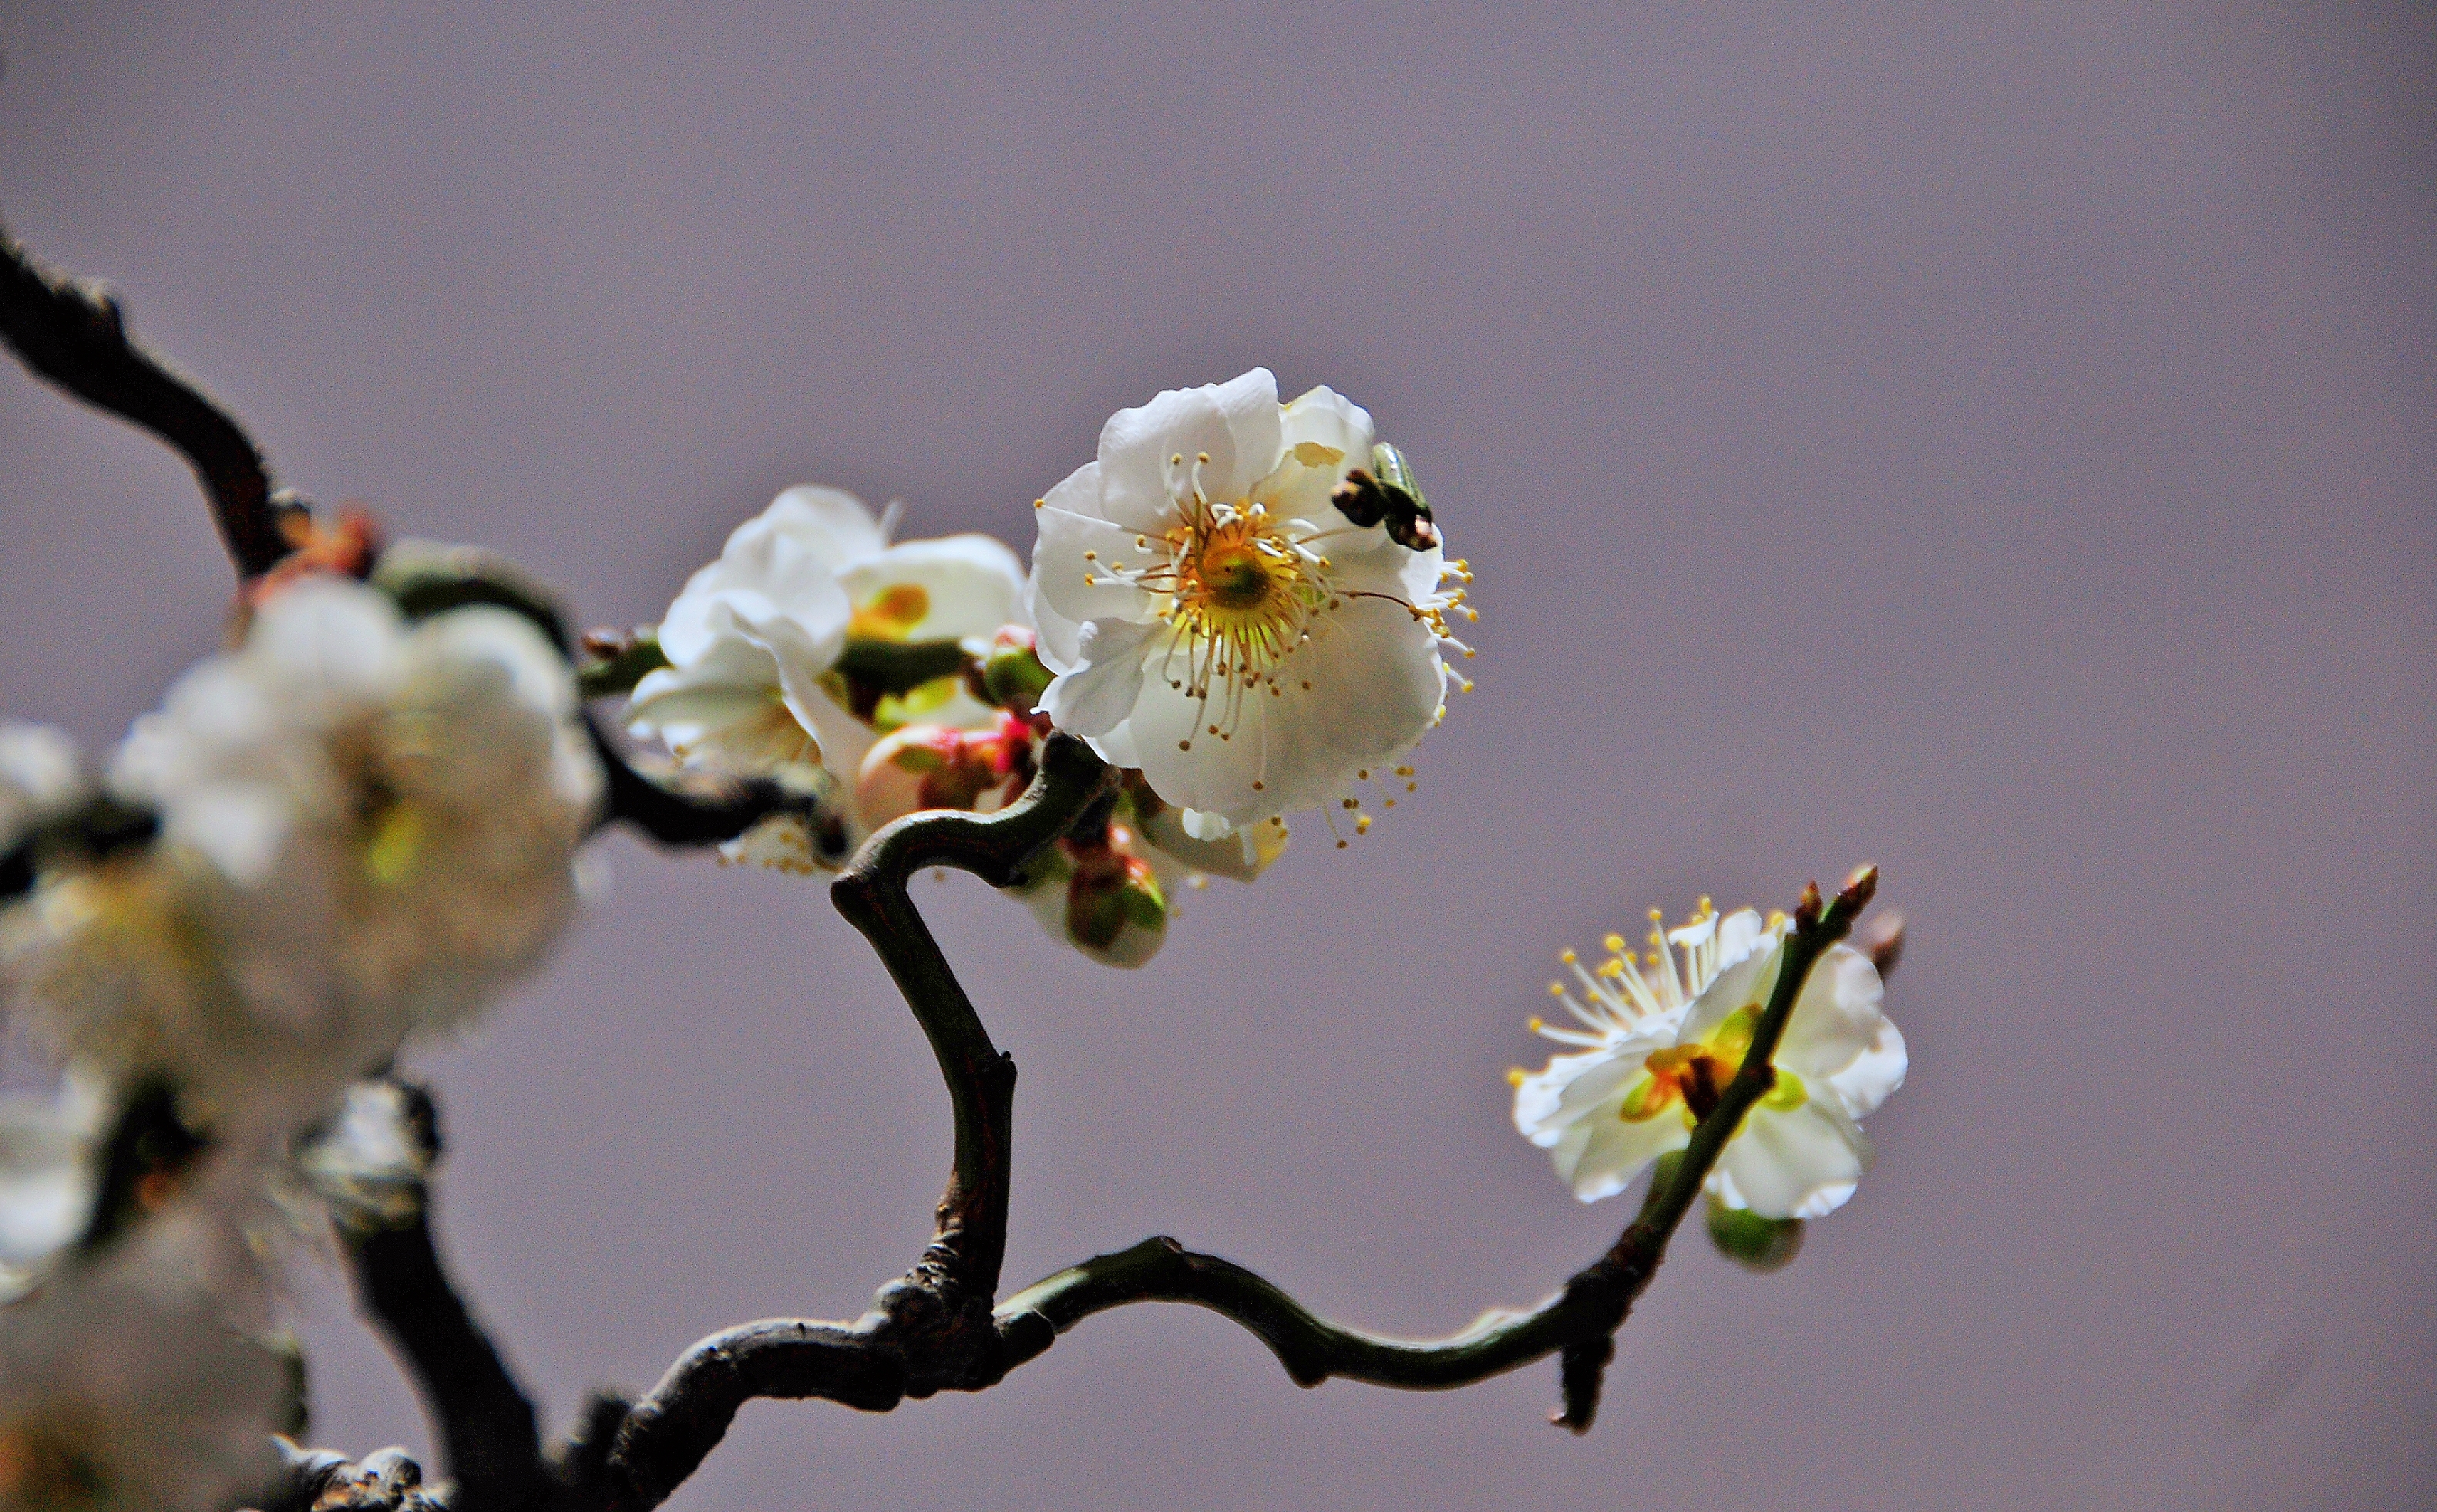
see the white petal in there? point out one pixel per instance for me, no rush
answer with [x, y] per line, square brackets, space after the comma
[1799, 1163]
[1839, 1039]
[329, 636]
[1617, 1151]
[1743, 980]
[835, 524]
[1234, 424]
[973, 584]
[1323, 415]
[1366, 686]
[37, 761]
[240, 828]
[1202, 825]
[1081, 588]
[1103, 690]
[768, 584]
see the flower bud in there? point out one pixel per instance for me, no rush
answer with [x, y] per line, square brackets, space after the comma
[1115, 911]
[1012, 675]
[1756, 1243]
[934, 766]
[1100, 897]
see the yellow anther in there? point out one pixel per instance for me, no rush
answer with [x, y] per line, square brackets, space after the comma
[1515, 1076]
[1567, 955]
[1613, 943]
[1535, 1024]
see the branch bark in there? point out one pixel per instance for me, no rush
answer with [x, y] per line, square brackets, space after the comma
[931, 1330]
[76, 336]
[489, 1438]
[1579, 1322]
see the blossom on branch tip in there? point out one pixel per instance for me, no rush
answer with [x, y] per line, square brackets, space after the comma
[1652, 1050]
[1220, 623]
[811, 639]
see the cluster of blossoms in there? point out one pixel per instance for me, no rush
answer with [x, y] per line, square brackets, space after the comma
[346, 833]
[1207, 605]
[353, 829]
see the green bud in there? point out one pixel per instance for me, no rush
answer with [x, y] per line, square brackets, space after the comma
[1012, 673]
[1754, 1242]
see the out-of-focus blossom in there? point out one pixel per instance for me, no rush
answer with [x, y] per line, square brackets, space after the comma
[369, 1166]
[37, 774]
[1652, 1049]
[1219, 623]
[48, 1176]
[806, 643]
[128, 1379]
[938, 767]
[365, 830]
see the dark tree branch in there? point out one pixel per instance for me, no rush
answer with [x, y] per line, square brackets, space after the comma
[488, 1435]
[871, 894]
[699, 810]
[1580, 1320]
[932, 1330]
[76, 336]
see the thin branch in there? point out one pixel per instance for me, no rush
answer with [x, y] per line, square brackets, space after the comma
[488, 1435]
[981, 1081]
[699, 809]
[76, 336]
[932, 1330]
[1580, 1320]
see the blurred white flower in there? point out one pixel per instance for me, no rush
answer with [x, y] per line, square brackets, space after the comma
[1654, 1051]
[1215, 620]
[48, 1176]
[369, 1166]
[127, 1380]
[365, 829]
[760, 681]
[37, 774]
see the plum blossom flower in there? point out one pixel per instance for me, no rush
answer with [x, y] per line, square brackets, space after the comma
[1652, 1049]
[365, 830]
[37, 775]
[1218, 623]
[129, 1377]
[764, 677]
[48, 1175]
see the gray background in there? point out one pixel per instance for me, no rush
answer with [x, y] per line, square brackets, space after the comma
[1995, 442]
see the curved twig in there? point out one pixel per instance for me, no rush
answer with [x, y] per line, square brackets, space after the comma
[1580, 1320]
[871, 894]
[932, 1330]
[488, 1435]
[76, 336]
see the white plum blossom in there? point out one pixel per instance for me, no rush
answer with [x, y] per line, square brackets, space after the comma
[48, 1176]
[370, 1165]
[1652, 1050]
[1218, 623]
[37, 774]
[366, 829]
[132, 1378]
[755, 685]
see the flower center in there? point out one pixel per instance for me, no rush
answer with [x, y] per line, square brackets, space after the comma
[1239, 581]
[891, 613]
[1693, 1076]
